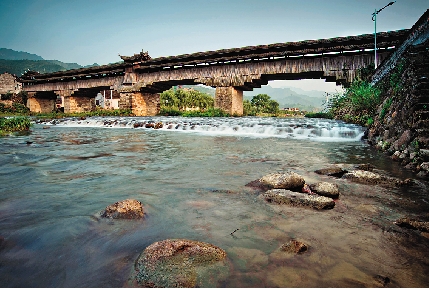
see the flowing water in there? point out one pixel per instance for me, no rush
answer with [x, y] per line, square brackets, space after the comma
[191, 177]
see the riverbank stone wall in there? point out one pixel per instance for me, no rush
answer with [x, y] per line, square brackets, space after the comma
[401, 126]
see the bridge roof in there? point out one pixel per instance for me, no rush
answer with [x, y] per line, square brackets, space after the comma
[359, 44]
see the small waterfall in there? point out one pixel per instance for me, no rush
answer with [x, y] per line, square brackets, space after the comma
[288, 128]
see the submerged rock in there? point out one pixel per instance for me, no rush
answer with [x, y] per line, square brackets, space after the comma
[382, 280]
[372, 178]
[294, 246]
[158, 125]
[282, 196]
[413, 224]
[332, 171]
[289, 180]
[126, 209]
[326, 189]
[180, 263]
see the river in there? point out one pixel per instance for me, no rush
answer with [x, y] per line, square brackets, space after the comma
[191, 177]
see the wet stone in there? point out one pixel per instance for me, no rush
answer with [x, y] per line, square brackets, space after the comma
[294, 246]
[158, 125]
[286, 197]
[413, 224]
[332, 171]
[289, 180]
[326, 189]
[126, 209]
[180, 263]
[372, 178]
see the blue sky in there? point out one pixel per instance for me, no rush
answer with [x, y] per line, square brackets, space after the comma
[89, 31]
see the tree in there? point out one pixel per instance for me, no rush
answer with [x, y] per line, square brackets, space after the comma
[263, 103]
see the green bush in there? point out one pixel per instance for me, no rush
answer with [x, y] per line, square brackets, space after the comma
[8, 125]
[170, 111]
[174, 100]
[212, 112]
[327, 115]
[357, 104]
[7, 96]
[97, 112]
[16, 108]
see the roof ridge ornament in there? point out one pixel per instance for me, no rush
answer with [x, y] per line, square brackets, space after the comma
[139, 57]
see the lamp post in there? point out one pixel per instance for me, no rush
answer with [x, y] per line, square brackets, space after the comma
[374, 18]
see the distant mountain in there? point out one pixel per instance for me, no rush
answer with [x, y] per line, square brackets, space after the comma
[10, 54]
[205, 89]
[17, 62]
[286, 97]
[289, 97]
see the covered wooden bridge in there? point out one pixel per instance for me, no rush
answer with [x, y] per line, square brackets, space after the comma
[139, 79]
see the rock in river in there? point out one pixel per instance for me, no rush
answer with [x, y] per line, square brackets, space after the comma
[180, 263]
[126, 209]
[326, 189]
[413, 224]
[282, 196]
[332, 171]
[372, 178]
[294, 246]
[289, 180]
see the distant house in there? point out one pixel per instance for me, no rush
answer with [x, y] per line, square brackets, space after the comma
[291, 109]
[107, 99]
[9, 83]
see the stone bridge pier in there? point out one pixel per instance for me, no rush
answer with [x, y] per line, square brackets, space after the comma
[41, 101]
[230, 100]
[140, 103]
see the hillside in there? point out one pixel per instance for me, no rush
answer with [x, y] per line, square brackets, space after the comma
[289, 97]
[286, 97]
[10, 54]
[17, 62]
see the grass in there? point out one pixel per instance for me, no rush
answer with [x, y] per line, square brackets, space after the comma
[98, 112]
[211, 112]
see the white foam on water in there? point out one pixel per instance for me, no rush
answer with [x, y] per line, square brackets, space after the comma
[293, 128]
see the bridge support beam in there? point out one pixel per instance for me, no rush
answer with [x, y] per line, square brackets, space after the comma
[141, 104]
[229, 99]
[41, 102]
[78, 104]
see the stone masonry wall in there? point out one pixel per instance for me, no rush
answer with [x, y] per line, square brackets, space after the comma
[78, 104]
[141, 104]
[401, 128]
[41, 105]
[8, 83]
[230, 100]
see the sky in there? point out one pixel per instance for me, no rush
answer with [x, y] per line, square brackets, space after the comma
[96, 31]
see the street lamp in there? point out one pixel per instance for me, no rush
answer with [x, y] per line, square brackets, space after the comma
[374, 18]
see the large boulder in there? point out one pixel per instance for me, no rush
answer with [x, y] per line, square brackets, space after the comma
[126, 209]
[289, 180]
[282, 196]
[180, 263]
[326, 189]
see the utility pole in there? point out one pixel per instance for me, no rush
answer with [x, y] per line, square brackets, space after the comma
[374, 18]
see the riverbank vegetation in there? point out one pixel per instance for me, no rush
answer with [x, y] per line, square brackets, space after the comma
[192, 103]
[14, 124]
[359, 101]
